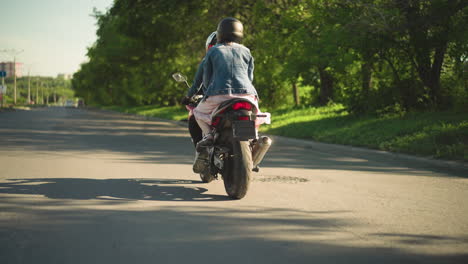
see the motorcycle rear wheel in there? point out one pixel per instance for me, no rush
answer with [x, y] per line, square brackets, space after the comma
[238, 170]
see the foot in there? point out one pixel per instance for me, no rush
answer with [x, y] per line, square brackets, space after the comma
[206, 141]
[201, 161]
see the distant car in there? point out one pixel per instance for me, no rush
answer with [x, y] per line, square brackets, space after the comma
[70, 103]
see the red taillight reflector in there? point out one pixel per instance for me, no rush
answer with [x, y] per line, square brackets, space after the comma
[243, 118]
[215, 121]
[242, 105]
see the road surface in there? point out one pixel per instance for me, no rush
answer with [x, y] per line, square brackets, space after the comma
[83, 186]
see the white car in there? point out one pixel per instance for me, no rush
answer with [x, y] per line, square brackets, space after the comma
[70, 103]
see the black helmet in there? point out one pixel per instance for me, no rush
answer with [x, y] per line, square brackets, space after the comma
[230, 30]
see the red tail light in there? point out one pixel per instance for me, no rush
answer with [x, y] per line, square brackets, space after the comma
[243, 118]
[242, 105]
[215, 121]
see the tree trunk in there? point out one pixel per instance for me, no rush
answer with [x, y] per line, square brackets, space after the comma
[434, 82]
[424, 46]
[326, 86]
[366, 77]
[295, 93]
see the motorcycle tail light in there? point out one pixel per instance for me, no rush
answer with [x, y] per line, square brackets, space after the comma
[242, 105]
[243, 118]
[215, 121]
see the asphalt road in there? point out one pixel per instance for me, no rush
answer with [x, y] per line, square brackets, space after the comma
[80, 186]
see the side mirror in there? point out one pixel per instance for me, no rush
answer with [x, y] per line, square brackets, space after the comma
[179, 77]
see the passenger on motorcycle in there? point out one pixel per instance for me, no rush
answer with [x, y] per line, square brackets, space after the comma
[198, 88]
[198, 80]
[227, 73]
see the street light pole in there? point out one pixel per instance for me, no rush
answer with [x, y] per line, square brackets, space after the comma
[42, 96]
[2, 102]
[14, 79]
[30, 95]
[29, 88]
[37, 92]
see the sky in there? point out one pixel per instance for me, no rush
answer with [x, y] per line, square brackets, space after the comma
[54, 34]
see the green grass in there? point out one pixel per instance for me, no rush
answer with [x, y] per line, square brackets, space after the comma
[436, 134]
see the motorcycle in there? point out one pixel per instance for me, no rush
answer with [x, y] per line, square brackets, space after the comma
[237, 150]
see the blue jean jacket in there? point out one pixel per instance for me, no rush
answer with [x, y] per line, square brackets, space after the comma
[228, 69]
[198, 81]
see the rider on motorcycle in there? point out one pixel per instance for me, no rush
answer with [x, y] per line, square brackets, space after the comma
[227, 74]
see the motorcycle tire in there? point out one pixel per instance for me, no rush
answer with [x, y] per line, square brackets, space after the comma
[238, 170]
[206, 177]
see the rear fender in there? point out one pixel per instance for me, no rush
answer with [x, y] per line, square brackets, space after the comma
[225, 119]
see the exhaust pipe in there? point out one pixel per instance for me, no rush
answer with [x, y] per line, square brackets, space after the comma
[260, 149]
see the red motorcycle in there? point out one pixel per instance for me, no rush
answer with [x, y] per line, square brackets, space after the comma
[237, 149]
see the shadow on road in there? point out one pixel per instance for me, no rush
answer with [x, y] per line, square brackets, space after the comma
[64, 232]
[412, 239]
[123, 190]
[63, 130]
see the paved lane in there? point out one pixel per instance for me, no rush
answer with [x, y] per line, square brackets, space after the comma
[80, 186]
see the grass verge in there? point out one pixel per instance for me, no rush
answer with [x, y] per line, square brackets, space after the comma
[436, 134]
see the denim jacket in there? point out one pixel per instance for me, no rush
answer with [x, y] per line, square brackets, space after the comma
[228, 69]
[198, 81]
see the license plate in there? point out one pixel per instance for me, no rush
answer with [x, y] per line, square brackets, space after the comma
[244, 130]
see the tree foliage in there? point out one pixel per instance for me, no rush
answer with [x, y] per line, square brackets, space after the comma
[41, 90]
[370, 55]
